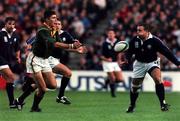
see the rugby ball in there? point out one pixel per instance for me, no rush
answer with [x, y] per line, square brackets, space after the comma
[121, 46]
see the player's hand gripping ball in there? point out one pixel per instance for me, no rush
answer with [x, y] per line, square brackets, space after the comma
[121, 46]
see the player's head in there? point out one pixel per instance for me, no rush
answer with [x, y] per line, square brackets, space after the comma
[58, 25]
[111, 34]
[9, 24]
[143, 30]
[50, 18]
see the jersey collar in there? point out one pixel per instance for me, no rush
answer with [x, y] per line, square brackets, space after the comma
[9, 34]
[149, 37]
[109, 41]
[61, 31]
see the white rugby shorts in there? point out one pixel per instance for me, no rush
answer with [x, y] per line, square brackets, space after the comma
[110, 66]
[53, 61]
[3, 67]
[36, 64]
[3, 63]
[140, 69]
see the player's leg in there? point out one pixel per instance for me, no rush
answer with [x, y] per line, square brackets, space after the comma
[134, 93]
[155, 73]
[28, 87]
[139, 72]
[107, 81]
[118, 73]
[50, 80]
[9, 77]
[40, 91]
[119, 76]
[66, 72]
[41, 71]
[112, 79]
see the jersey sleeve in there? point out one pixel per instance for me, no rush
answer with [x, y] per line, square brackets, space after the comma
[164, 50]
[104, 49]
[31, 40]
[130, 51]
[17, 44]
[67, 37]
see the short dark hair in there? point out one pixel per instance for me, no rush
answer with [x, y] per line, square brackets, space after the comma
[9, 19]
[146, 26]
[48, 14]
[110, 29]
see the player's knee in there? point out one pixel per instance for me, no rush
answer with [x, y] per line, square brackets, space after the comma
[135, 88]
[53, 86]
[40, 93]
[119, 80]
[10, 78]
[69, 74]
[28, 83]
[157, 80]
[112, 79]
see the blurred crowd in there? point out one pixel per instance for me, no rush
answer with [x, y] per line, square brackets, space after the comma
[80, 18]
[162, 15]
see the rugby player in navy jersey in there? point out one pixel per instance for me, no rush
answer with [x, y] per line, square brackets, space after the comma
[144, 48]
[9, 56]
[56, 66]
[110, 60]
[60, 68]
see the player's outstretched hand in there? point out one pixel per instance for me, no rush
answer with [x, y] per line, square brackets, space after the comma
[76, 44]
[82, 50]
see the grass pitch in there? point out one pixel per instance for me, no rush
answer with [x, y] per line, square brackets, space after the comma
[93, 106]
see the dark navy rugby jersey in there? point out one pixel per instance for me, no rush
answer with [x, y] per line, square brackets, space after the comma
[64, 37]
[108, 49]
[9, 45]
[146, 51]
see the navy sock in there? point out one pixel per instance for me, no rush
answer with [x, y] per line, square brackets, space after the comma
[64, 83]
[133, 98]
[37, 100]
[26, 93]
[10, 92]
[112, 89]
[160, 93]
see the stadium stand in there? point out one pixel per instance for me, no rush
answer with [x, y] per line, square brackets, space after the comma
[83, 17]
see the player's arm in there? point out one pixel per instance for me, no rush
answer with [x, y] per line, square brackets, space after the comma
[75, 45]
[45, 35]
[121, 59]
[129, 53]
[17, 50]
[80, 50]
[164, 50]
[104, 55]
[18, 58]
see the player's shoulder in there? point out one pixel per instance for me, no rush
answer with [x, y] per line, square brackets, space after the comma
[42, 28]
[156, 38]
[134, 39]
[2, 31]
[66, 37]
[65, 34]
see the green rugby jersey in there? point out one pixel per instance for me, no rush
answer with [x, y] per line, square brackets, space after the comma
[44, 43]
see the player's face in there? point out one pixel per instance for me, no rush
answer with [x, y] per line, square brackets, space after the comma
[10, 25]
[111, 35]
[141, 32]
[52, 21]
[58, 25]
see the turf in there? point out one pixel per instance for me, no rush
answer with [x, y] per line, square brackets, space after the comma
[93, 106]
